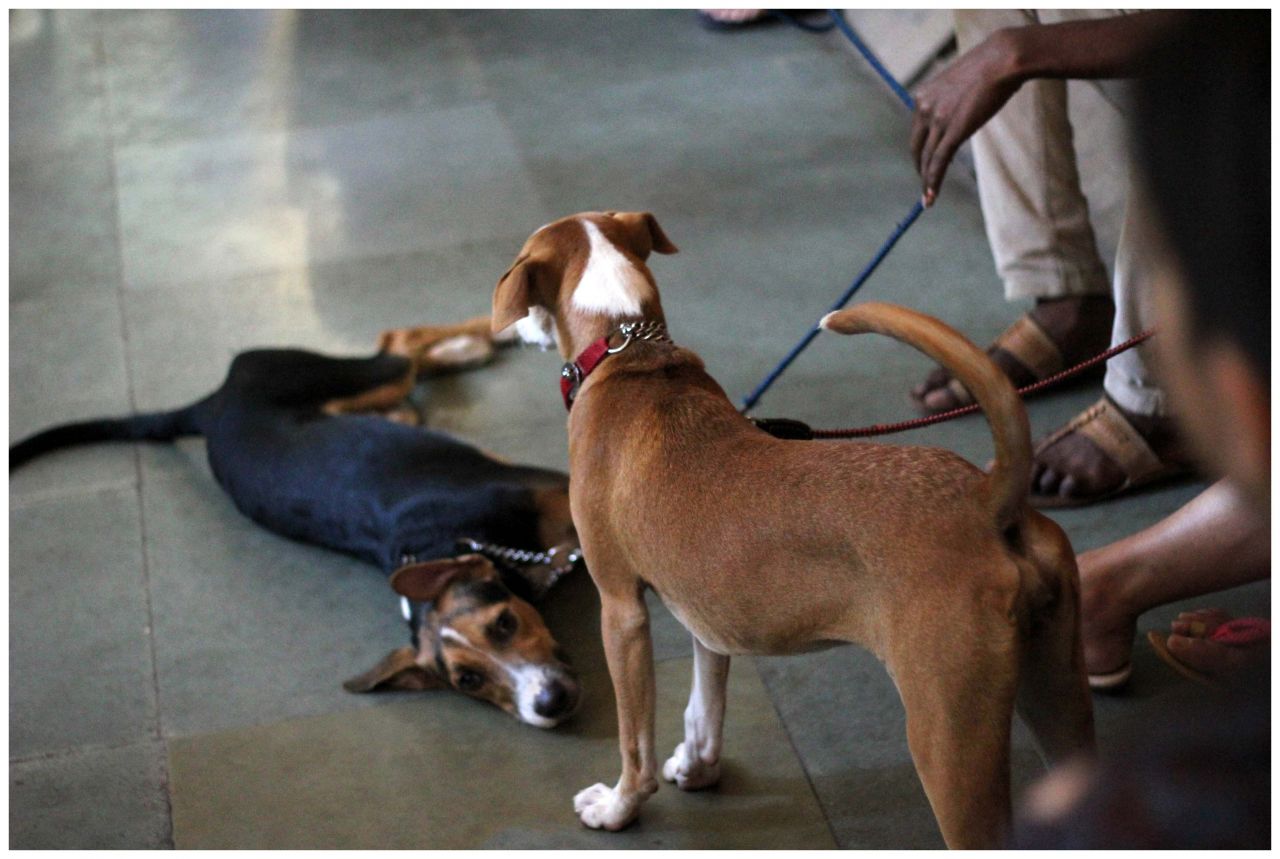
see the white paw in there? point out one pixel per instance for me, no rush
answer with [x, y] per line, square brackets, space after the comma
[601, 807]
[689, 772]
[460, 351]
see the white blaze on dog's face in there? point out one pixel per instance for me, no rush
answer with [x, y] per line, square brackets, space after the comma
[577, 270]
[494, 646]
[611, 284]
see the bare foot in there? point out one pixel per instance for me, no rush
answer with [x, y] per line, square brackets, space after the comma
[1191, 644]
[1080, 326]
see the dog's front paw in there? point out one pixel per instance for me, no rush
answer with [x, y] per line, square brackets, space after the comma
[688, 771]
[603, 807]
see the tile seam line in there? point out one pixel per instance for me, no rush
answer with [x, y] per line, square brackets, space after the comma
[75, 751]
[155, 728]
[804, 767]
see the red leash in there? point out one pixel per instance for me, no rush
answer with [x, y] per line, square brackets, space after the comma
[886, 429]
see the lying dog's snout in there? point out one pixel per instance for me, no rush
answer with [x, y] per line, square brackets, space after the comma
[554, 700]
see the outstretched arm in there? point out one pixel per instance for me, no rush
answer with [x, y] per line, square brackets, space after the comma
[959, 100]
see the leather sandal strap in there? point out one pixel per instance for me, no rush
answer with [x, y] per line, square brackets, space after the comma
[1027, 342]
[1034, 349]
[1104, 425]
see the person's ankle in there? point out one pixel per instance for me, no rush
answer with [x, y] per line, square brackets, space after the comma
[1072, 312]
[1108, 582]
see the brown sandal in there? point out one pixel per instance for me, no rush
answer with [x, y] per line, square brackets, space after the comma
[1029, 345]
[1105, 426]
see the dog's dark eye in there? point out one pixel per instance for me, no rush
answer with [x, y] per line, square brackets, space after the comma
[469, 681]
[505, 624]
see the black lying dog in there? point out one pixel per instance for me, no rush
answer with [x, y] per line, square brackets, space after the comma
[284, 447]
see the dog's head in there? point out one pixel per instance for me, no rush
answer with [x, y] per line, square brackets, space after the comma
[481, 639]
[577, 271]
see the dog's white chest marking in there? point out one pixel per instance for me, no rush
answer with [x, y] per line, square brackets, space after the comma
[610, 283]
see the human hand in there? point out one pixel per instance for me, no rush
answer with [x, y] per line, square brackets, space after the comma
[959, 100]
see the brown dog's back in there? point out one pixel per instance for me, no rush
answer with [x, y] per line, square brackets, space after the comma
[1007, 483]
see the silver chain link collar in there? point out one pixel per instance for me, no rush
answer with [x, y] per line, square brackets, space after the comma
[642, 330]
[525, 558]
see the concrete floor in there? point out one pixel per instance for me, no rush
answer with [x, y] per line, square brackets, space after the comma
[186, 185]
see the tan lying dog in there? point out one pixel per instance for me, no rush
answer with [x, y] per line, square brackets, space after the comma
[760, 545]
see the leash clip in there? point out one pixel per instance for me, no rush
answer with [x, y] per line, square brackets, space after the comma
[571, 379]
[626, 331]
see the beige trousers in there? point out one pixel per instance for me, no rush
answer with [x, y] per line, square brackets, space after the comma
[1037, 217]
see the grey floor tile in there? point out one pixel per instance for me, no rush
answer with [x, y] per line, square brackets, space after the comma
[56, 99]
[181, 75]
[182, 341]
[102, 799]
[62, 228]
[844, 718]
[79, 655]
[66, 362]
[339, 307]
[450, 774]
[597, 157]
[847, 724]
[261, 201]
[251, 627]
[360, 299]
[530, 53]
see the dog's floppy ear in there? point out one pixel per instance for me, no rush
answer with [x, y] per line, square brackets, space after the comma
[511, 297]
[646, 235]
[398, 670]
[426, 581]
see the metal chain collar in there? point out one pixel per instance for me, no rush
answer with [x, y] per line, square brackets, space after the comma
[645, 329]
[506, 556]
[516, 558]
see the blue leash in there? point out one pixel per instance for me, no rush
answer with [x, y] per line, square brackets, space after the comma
[837, 19]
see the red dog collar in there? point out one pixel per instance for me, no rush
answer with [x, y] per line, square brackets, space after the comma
[575, 372]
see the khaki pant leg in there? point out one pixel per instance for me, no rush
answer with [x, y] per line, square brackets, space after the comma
[1036, 216]
[1129, 379]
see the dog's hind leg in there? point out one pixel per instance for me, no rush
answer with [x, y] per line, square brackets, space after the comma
[384, 395]
[958, 690]
[1053, 694]
[442, 348]
[695, 763]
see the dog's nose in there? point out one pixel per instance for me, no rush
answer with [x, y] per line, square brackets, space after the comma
[554, 700]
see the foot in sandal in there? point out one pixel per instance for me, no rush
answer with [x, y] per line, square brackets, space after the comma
[730, 19]
[1107, 624]
[1102, 452]
[1053, 335]
[1208, 645]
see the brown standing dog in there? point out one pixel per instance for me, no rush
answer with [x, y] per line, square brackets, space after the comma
[759, 545]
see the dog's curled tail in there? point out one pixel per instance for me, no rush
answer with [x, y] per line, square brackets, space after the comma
[157, 426]
[1007, 484]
